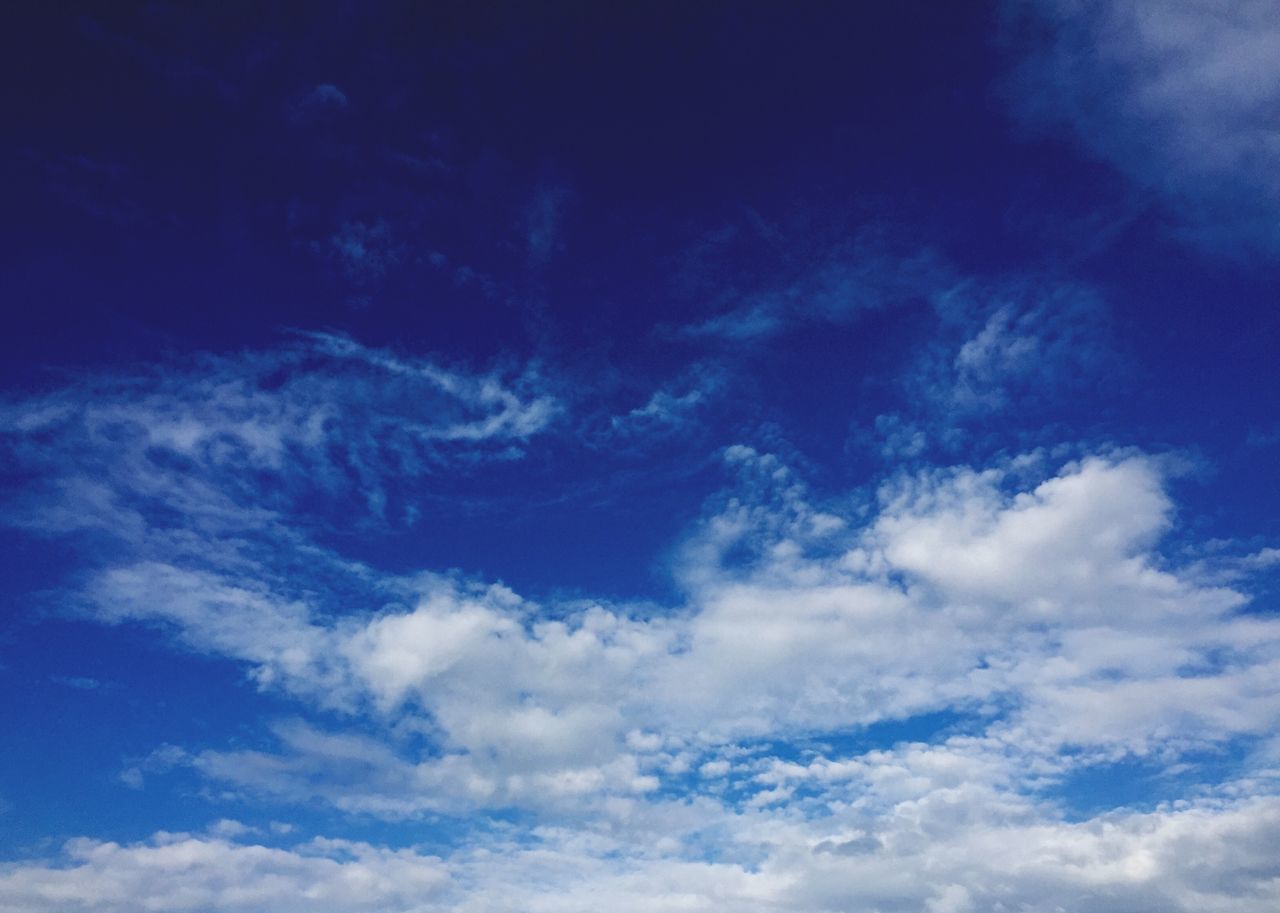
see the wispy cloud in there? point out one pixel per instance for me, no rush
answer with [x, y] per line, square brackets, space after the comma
[1001, 345]
[1180, 96]
[362, 251]
[229, 441]
[321, 103]
[761, 282]
[674, 409]
[1014, 354]
[543, 220]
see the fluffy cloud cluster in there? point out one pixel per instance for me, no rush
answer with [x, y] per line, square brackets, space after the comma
[949, 852]
[1039, 613]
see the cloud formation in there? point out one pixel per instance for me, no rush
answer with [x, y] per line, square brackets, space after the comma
[1017, 621]
[1038, 615]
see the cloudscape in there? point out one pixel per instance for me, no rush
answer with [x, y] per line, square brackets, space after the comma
[553, 457]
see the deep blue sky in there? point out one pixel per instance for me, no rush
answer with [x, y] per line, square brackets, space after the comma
[874, 387]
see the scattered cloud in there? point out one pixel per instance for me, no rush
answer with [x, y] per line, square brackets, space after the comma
[897, 439]
[751, 321]
[1028, 601]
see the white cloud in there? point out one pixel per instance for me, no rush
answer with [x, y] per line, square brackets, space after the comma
[1180, 95]
[1053, 551]
[214, 615]
[229, 828]
[663, 411]
[715, 768]
[204, 439]
[899, 440]
[1041, 615]
[748, 322]
[181, 872]
[1263, 558]
[950, 849]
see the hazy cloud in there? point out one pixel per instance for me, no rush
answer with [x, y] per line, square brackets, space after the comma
[1179, 96]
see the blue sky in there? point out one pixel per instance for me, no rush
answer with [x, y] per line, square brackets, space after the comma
[567, 457]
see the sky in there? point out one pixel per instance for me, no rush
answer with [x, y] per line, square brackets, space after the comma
[640, 457]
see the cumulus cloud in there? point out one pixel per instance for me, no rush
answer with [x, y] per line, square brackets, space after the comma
[1040, 616]
[1179, 96]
